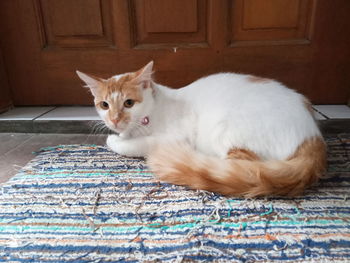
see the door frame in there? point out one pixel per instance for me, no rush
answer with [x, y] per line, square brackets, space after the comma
[5, 92]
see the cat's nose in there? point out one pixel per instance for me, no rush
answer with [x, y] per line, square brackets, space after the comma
[115, 121]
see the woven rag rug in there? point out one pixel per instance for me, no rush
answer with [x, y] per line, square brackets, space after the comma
[83, 203]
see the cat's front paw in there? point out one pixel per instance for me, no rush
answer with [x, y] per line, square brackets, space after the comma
[120, 146]
[136, 147]
[112, 142]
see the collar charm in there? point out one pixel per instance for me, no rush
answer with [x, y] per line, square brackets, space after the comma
[145, 121]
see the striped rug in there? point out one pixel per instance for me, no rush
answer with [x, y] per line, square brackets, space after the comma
[83, 203]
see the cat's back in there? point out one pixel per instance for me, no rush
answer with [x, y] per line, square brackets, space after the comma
[217, 81]
[240, 107]
[230, 82]
[239, 89]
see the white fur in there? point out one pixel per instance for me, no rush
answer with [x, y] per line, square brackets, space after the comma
[220, 112]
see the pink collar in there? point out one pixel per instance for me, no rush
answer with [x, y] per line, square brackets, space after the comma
[145, 121]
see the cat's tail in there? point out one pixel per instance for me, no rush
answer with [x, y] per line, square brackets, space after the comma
[241, 174]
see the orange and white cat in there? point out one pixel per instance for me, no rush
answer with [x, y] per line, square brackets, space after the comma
[229, 133]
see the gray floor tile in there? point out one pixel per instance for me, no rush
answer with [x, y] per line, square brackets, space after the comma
[334, 111]
[71, 113]
[9, 141]
[24, 113]
[12, 161]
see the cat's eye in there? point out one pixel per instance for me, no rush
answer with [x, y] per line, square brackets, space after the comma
[104, 105]
[129, 103]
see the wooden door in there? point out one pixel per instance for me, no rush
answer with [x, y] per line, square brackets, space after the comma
[5, 96]
[303, 43]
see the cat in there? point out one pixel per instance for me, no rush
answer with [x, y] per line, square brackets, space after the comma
[229, 133]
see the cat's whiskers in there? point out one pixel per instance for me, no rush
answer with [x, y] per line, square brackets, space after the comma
[95, 129]
[98, 127]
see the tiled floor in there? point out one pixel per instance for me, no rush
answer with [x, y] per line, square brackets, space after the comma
[17, 149]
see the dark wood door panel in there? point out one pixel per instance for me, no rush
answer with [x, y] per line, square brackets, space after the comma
[84, 17]
[271, 21]
[74, 23]
[330, 79]
[182, 18]
[169, 22]
[5, 94]
[303, 43]
[270, 14]
[20, 41]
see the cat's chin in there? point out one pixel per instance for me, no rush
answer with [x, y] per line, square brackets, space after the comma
[124, 135]
[116, 131]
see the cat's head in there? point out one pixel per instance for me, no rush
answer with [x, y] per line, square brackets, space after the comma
[123, 101]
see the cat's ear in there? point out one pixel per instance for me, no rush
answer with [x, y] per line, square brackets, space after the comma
[144, 75]
[91, 82]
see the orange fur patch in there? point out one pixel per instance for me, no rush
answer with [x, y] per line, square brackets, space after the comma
[242, 154]
[123, 86]
[311, 151]
[242, 176]
[257, 79]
